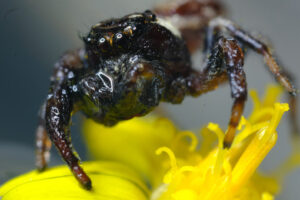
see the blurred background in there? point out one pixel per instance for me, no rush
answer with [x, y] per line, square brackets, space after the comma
[34, 33]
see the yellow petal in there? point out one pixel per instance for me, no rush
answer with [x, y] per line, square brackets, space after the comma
[229, 174]
[133, 143]
[110, 181]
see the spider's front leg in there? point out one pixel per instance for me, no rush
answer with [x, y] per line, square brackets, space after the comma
[55, 115]
[58, 114]
[224, 63]
[280, 74]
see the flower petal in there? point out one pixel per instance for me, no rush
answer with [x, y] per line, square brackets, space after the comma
[132, 143]
[110, 181]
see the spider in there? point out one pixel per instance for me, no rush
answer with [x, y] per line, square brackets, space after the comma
[129, 65]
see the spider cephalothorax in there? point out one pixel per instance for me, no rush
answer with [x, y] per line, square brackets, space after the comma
[118, 36]
[130, 64]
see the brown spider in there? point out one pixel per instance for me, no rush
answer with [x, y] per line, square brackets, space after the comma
[130, 64]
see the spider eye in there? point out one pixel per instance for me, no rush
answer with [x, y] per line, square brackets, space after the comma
[88, 40]
[103, 44]
[119, 36]
[150, 15]
[102, 41]
[121, 40]
[129, 30]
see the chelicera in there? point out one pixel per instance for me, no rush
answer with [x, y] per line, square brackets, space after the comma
[129, 65]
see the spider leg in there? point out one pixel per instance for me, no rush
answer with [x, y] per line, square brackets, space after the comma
[278, 72]
[56, 116]
[224, 63]
[43, 143]
[259, 47]
[234, 61]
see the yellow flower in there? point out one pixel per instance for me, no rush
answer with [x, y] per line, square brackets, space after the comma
[228, 174]
[132, 143]
[183, 167]
[110, 181]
